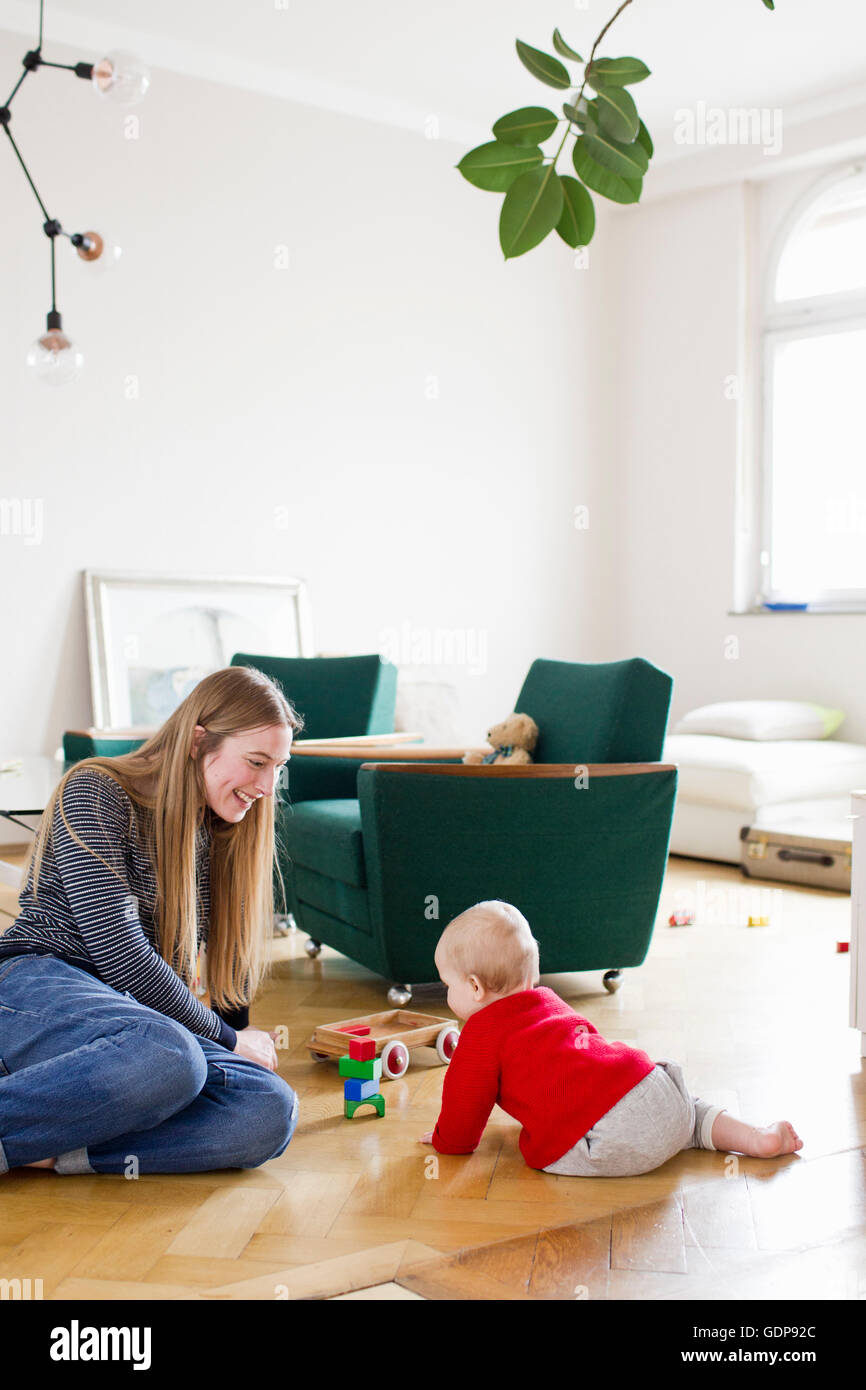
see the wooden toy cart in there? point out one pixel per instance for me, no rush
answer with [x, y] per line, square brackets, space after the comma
[394, 1032]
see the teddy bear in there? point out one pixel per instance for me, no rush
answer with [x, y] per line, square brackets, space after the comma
[512, 742]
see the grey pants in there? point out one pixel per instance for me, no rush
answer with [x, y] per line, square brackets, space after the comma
[652, 1122]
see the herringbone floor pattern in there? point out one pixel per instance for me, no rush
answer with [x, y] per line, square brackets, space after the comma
[758, 1018]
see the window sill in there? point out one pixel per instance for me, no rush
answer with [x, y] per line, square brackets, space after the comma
[816, 612]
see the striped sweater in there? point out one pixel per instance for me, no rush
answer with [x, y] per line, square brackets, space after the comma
[101, 918]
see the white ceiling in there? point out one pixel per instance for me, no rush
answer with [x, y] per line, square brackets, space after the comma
[405, 62]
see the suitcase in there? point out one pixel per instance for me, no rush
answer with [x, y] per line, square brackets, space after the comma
[797, 856]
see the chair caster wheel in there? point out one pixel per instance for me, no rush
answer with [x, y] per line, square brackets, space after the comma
[612, 980]
[312, 948]
[399, 996]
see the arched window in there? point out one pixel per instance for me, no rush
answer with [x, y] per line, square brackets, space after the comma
[814, 477]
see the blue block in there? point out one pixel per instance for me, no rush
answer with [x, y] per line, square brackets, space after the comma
[360, 1090]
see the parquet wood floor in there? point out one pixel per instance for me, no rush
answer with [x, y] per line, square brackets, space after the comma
[758, 1019]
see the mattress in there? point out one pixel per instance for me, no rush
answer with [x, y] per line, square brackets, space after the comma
[744, 775]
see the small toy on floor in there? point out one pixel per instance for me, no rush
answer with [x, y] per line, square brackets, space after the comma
[759, 921]
[389, 1036]
[362, 1070]
[681, 919]
[512, 741]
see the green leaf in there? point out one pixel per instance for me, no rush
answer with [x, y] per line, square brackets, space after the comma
[645, 139]
[529, 126]
[584, 114]
[562, 47]
[617, 114]
[616, 72]
[577, 223]
[495, 166]
[543, 66]
[769, 4]
[629, 161]
[532, 208]
[603, 181]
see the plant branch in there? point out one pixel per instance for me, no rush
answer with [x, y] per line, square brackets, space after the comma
[598, 40]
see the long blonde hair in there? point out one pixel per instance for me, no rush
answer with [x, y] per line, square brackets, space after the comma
[162, 777]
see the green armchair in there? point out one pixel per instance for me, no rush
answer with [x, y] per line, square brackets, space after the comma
[85, 743]
[337, 695]
[378, 856]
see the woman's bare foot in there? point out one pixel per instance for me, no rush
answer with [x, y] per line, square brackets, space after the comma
[768, 1141]
[41, 1163]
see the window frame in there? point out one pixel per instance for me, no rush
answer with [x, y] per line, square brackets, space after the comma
[789, 320]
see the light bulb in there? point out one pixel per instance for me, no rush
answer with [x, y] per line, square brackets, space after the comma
[121, 78]
[54, 359]
[102, 253]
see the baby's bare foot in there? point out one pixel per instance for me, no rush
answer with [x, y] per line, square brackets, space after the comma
[772, 1140]
[735, 1136]
[41, 1163]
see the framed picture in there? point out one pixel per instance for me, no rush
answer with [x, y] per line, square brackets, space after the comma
[152, 637]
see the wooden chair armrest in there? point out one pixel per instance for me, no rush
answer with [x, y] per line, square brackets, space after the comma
[355, 750]
[112, 733]
[571, 770]
[359, 741]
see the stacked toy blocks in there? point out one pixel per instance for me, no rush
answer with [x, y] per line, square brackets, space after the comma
[362, 1070]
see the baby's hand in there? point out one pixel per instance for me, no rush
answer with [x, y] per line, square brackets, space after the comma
[426, 1138]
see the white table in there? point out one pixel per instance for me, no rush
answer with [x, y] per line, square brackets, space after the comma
[857, 949]
[26, 783]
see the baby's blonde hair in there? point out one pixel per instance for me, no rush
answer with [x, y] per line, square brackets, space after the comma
[493, 942]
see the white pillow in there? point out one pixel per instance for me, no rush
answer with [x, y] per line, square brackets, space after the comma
[762, 719]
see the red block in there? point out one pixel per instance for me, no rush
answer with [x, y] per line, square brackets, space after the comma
[358, 1030]
[841, 947]
[362, 1049]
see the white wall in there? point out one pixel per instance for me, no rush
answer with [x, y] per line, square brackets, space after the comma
[676, 275]
[309, 387]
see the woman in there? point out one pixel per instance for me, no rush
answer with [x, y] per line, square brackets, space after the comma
[108, 1061]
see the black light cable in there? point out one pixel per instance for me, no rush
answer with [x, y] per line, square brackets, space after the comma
[122, 79]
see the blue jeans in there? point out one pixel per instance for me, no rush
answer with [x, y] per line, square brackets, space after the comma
[106, 1085]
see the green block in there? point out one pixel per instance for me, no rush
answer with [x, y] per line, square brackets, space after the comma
[362, 1071]
[350, 1106]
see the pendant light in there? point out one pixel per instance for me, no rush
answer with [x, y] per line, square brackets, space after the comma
[122, 79]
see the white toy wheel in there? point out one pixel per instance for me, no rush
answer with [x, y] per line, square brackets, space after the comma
[446, 1042]
[395, 1060]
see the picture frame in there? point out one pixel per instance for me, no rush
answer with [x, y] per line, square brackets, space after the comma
[153, 637]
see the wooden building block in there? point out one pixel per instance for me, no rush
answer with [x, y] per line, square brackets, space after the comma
[360, 1090]
[362, 1049]
[362, 1071]
[350, 1106]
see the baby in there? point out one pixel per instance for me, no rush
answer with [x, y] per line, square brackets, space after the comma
[589, 1108]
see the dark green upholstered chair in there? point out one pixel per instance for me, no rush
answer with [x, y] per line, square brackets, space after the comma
[79, 743]
[337, 695]
[378, 856]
